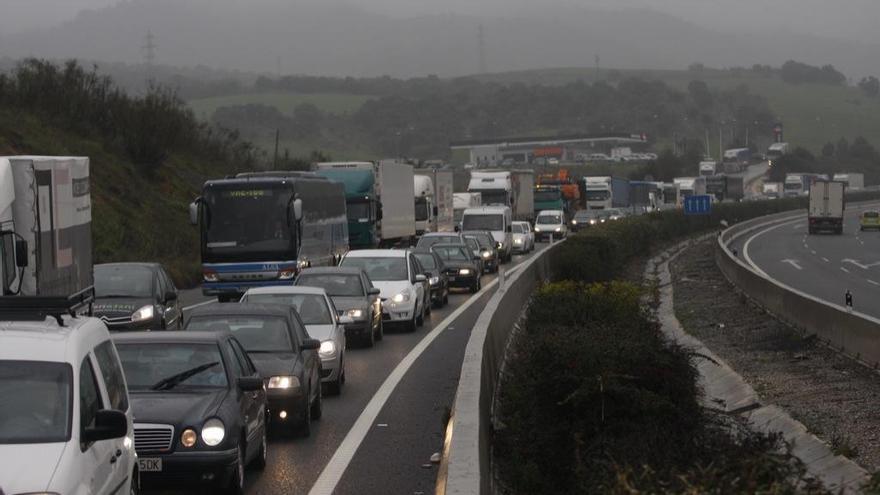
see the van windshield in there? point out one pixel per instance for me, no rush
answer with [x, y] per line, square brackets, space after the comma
[483, 222]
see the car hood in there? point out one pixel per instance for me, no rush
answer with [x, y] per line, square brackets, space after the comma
[176, 408]
[391, 288]
[115, 306]
[29, 467]
[275, 364]
[519, 236]
[344, 303]
[320, 332]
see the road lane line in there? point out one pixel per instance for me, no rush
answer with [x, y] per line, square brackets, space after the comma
[203, 303]
[844, 269]
[826, 260]
[813, 251]
[335, 469]
[873, 282]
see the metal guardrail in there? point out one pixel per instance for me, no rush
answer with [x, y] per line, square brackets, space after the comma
[853, 333]
[465, 467]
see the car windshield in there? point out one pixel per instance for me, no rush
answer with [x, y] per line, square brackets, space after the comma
[429, 240]
[451, 253]
[379, 269]
[334, 285]
[312, 308]
[256, 333]
[549, 220]
[518, 229]
[36, 402]
[123, 281]
[494, 221]
[148, 366]
[428, 261]
[484, 241]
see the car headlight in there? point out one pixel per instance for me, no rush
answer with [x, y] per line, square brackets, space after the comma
[517, 241]
[434, 280]
[213, 432]
[574, 222]
[404, 296]
[355, 314]
[283, 382]
[500, 245]
[537, 229]
[210, 276]
[143, 314]
[288, 274]
[188, 437]
[486, 254]
[592, 221]
[464, 271]
[327, 349]
[558, 229]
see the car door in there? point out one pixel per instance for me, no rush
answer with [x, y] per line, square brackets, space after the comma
[311, 361]
[98, 457]
[173, 312]
[252, 407]
[116, 393]
[415, 268]
[375, 301]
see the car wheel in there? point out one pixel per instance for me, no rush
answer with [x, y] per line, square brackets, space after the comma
[412, 326]
[369, 338]
[380, 333]
[135, 487]
[420, 319]
[446, 297]
[317, 408]
[260, 461]
[236, 484]
[305, 427]
[475, 286]
[428, 305]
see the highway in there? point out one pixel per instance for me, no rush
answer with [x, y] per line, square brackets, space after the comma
[379, 434]
[823, 265]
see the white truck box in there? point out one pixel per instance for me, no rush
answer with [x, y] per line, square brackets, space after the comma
[827, 205]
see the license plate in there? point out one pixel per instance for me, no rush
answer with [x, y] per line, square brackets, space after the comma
[150, 464]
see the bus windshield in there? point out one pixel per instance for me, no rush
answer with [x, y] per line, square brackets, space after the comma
[246, 221]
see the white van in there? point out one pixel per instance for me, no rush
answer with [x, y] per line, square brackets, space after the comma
[550, 223]
[495, 219]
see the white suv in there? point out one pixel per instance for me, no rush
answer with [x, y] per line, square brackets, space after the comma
[65, 423]
[401, 281]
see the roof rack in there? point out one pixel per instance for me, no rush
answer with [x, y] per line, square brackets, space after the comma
[37, 308]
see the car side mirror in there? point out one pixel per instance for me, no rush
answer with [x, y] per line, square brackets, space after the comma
[109, 424]
[194, 212]
[421, 278]
[21, 253]
[457, 228]
[311, 345]
[250, 383]
[510, 228]
[297, 209]
[170, 296]
[373, 291]
[345, 320]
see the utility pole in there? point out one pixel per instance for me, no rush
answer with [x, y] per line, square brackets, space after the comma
[720, 144]
[708, 150]
[149, 50]
[275, 160]
[597, 68]
[481, 40]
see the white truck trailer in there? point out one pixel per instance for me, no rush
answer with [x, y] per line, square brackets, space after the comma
[512, 188]
[853, 181]
[433, 201]
[463, 201]
[827, 205]
[45, 226]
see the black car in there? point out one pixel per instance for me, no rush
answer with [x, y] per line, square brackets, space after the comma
[459, 266]
[438, 279]
[199, 407]
[488, 249]
[354, 296]
[285, 356]
[136, 296]
[429, 239]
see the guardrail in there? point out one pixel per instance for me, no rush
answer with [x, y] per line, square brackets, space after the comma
[853, 333]
[466, 464]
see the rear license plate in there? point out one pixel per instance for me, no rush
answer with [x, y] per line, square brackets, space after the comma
[150, 464]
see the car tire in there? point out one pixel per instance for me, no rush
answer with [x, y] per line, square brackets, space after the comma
[369, 338]
[335, 387]
[236, 484]
[446, 297]
[380, 333]
[412, 326]
[262, 457]
[305, 427]
[317, 407]
[420, 319]
[475, 286]
[135, 486]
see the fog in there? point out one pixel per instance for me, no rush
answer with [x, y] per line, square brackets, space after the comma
[417, 37]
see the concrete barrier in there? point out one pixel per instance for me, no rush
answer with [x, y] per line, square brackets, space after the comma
[466, 463]
[853, 333]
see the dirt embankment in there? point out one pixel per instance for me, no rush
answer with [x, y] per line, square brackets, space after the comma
[834, 397]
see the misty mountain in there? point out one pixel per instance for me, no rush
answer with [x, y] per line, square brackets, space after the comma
[339, 39]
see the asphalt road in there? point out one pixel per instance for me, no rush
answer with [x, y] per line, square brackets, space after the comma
[821, 265]
[380, 436]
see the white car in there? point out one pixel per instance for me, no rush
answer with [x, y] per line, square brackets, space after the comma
[550, 223]
[403, 286]
[317, 312]
[65, 421]
[523, 238]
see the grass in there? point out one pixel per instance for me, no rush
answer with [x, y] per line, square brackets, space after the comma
[284, 102]
[813, 114]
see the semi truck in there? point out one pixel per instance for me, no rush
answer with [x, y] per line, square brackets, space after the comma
[708, 168]
[605, 192]
[463, 201]
[379, 201]
[549, 198]
[772, 190]
[853, 181]
[45, 226]
[512, 188]
[645, 196]
[736, 160]
[776, 151]
[433, 201]
[690, 186]
[797, 185]
[827, 205]
[261, 229]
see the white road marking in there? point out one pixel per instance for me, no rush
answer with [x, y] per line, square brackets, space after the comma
[793, 263]
[334, 469]
[873, 282]
[203, 303]
[860, 265]
[843, 269]
[756, 235]
[826, 260]
[813, 251]
[798, 226]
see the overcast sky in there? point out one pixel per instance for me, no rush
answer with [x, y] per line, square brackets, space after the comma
[853, 20]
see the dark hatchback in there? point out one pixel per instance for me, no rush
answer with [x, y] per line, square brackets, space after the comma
[459, 266]
[353, 295]
[286, 357]
[199, 408]
[136, 296]
[438, 278]
[488, 249]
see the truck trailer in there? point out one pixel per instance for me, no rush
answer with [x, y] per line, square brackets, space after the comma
[45, 226]
[827, 205]
[463, 201]
[433, 201]
[605, 192]
[853, 181]
[512, 188]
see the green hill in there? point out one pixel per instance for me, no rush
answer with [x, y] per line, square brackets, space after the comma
[285, 102]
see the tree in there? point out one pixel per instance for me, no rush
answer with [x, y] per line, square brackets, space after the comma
[870, 86]
[699, 92]
[828, 150]
[842, 148]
